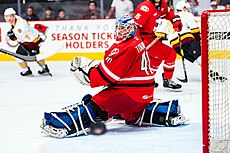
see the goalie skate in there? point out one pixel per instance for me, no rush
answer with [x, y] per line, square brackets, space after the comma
[178, 120]
[60, 132]
[52, 131]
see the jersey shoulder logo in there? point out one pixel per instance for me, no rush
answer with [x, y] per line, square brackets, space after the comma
[114, 51]
[144, 8]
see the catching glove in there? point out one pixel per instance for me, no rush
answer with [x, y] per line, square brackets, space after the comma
[80, 66]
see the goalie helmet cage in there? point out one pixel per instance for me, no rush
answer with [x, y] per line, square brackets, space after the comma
[215, 42]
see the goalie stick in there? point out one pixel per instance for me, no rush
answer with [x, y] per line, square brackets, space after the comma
[37, 57]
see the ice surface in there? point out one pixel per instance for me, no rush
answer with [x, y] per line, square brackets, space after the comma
[24, 99]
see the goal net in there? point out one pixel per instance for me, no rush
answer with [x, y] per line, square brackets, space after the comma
[215, 36]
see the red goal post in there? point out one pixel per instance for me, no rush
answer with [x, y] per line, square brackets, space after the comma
[215, 46]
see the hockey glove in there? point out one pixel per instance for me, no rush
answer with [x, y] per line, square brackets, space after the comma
[177, 24]
[81, 66]
[162, 28]
[11, 35]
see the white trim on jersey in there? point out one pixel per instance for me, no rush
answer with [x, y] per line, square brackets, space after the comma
[138, 78]
[115, 77]
[169, 66]
[109, 72]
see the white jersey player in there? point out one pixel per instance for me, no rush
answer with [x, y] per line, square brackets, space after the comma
[28, 38]
[187, 18]
[23, 31]
[187, 41]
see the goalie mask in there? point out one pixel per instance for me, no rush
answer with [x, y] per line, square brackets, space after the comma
[124, 28]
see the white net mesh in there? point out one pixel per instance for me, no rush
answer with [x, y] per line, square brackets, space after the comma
[219, 91]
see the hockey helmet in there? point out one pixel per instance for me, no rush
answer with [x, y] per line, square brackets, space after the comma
[124, 28]
[9, 11]
[181, 5]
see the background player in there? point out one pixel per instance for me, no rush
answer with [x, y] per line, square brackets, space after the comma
[189, 36]
[28, 39]
[146, 15]
[125, 71]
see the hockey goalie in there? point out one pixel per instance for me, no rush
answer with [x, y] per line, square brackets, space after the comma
[126, 73]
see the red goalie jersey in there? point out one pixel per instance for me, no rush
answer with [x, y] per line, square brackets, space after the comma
[126, 67]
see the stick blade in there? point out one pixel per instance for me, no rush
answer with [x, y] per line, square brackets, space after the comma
[183, 80]
[48, 51]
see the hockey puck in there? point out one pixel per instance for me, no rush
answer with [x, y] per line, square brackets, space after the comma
[98, 129]
[156, 84]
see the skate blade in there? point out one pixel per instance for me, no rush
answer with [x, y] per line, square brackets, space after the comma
[174, 90]
[46, 74]
[29, 76]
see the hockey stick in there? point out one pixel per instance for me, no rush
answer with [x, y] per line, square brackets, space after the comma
[37, 57]
[148, 47]
[153, 42]
[23, 57]
[185, 80]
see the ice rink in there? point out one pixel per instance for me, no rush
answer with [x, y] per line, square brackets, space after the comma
[23, 100]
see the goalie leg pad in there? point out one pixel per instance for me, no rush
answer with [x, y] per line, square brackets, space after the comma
[74, 120]
[162, 114]
[54, 118]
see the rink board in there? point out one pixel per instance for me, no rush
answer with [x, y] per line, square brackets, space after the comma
[89, 38]
[98, 56]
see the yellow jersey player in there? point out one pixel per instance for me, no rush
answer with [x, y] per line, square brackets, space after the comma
[28, 38]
